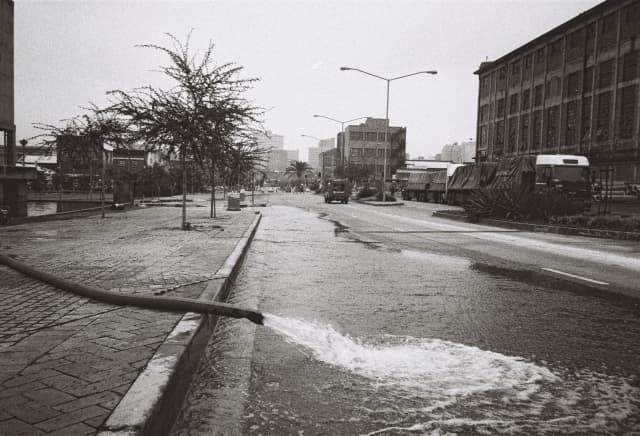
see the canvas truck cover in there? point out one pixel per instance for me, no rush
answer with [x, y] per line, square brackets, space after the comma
[517, 172]
[438, 181]
[473, 176]
[418, 181]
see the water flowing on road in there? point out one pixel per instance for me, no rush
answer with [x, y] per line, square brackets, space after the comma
[366, 338]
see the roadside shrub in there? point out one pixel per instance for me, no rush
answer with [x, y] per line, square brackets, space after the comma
[365, 192]
[605, 222]
[518, 204]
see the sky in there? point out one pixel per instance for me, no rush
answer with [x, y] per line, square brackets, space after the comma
[69, 53]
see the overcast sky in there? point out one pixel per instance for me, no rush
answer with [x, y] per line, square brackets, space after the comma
[70, 52]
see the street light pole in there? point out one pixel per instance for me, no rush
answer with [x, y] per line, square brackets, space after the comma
[386, 127]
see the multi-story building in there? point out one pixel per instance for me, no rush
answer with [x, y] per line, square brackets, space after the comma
[315, 152]
[365, 144]
[269, 140]
[7, 123]
[13, 179]
[277, 160]
[312, 157]
[329, 161]
[572, 90]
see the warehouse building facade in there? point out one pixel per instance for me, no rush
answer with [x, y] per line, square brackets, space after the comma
[572, 90]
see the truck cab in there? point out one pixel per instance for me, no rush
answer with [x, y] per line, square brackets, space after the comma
[565, 174]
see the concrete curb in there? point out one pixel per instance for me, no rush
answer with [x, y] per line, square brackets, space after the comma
[154, 399]
[546, 228]
[381, 203]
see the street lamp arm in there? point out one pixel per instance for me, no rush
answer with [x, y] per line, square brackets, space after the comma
[328, 118]
[312, 137]
[413, 74]
[355, 119]
[363, 72]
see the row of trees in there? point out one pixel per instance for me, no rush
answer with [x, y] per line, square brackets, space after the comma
[202, 117]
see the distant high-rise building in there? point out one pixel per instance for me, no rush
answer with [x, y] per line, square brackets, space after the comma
[459, 152]
[293, 155]
[312, 157]
[277, 160]
[274, 144]
[326, 144]
[270, 140]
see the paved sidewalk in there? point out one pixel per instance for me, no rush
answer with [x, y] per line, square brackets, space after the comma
[66, 361]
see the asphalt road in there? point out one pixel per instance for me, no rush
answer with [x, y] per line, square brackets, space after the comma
[389, 321]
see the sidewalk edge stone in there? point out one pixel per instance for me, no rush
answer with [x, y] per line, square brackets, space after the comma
[154, 399]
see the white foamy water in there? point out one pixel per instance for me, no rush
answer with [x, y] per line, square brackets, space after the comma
[440, 367]
[437, 387]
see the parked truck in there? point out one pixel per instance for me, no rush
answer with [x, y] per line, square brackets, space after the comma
[562, 175]
[430, 184]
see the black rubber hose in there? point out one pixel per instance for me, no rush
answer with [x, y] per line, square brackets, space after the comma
[174, 304]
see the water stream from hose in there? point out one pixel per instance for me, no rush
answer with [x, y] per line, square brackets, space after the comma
[435, 365]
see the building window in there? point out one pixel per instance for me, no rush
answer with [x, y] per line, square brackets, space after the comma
[628, 102]
[484, 113]
[540, 56]
[586, 119]
[515, 68]
[571, 130]
[356, 152]
[555, 53]
[372, 136]
[632, 14]
[526, 99]
[501, 74]
[590, 36]
[603, 116]
[513, 104]
[552, 127]
[587, 85]
[524, 132]
[573, 84]
[608, 24]
[501, 108]
[605, 74]
[629, 68]
[537, 96]
[483, 135]
[527, 62]
[356, 136]
[553, 87]
[513, 134]
[499, 141]
[574, 40]
[537, 130]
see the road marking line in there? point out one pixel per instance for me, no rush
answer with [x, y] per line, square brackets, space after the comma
[575, 276]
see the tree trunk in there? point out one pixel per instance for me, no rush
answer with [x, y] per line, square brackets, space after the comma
[184, 189]
[212, 213]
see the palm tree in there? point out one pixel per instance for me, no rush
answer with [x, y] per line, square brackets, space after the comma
[298, 168]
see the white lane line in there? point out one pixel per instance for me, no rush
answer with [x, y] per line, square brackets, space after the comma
[575, 276]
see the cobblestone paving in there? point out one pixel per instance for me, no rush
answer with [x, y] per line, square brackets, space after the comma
[66, 361]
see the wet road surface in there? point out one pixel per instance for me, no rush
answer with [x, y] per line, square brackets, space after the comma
[398, 333]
